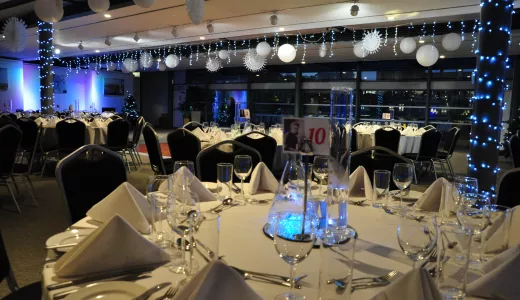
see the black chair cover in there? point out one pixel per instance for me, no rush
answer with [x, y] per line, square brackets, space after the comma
[388, 137]
[514, 148]
[429, 146]
[71, 135]
[10, 137]
[508, 188]
[117, 134]
[183, 145]
[191, 126]
[158, 164]
[450, 138]
[5, 266]
[5, 120]
[29, 130]
[265, 145]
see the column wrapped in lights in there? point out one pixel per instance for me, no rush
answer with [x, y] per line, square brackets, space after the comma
[46, 56]
[494, 40]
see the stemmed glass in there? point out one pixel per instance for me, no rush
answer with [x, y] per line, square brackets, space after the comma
[224, 177]
[402, 176]
[205, 126]
[471, 216]
[243, 167]
[320, 168]
[294, 236]
[417, 239]
[463, 185]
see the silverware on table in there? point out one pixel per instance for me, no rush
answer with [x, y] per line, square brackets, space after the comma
[248, 276]
[235, 188]
[60, 246]
[358, 203]
[369, 285]
[152, 290]
[170, 293]
[226, 207]
[358, 281]
[268, 276]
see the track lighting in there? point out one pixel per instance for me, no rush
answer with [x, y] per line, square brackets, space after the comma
[80, 45]
[174, 31]
[274, 18]
[108, 42]
[210, 27]
[136, 38]
[354, 10]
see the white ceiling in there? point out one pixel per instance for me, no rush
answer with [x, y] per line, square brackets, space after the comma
[240, 18]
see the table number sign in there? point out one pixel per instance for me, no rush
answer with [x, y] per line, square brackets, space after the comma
[310, 136]
[386, 116]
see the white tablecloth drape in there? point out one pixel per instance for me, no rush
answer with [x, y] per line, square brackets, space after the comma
[407, 143]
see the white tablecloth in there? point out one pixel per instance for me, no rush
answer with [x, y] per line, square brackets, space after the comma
[407, 143]
[244, 245]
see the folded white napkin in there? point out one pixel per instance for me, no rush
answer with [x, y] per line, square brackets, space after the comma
[360, 185]
[414, 285]
[262, 180]
[97, 123]
[127, 202]
[437, 198]
[114, 246]
[507, 235]
[216, 281]
[51, 123]
[407, 131]
[421, 131]
[200, 134]
[40, 121]
[500, 279]
[195, 186]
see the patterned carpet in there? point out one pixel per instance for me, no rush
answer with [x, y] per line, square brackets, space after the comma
[164, 148]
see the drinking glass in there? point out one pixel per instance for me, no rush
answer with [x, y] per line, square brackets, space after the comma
[320, 168]
[186, 177]
[159, 192]
[243, 168]
[294, 236]
[224, 178]
[499, 217]
[205, 126]
[463, 185]
[381, 187]
[261, 127]
[471, 218]
[402, 176]
[417, 239]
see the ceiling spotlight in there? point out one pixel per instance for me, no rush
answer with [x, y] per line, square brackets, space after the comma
[136, 38]
[57, 51]
[80, 45]
[97, 51]
[281, 29]
[303, 62]
[174, 31]
[354, 10]
[108, 42]
[274, 18]
[210, 27]
[108, 16]
[421, 41]
[442, 56]
[3, 36]
[202, 38]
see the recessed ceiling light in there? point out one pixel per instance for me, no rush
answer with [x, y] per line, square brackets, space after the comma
[468, 76]
[421, 41]
[442, 56]
[108, 16]
[3, 36]
[57, 51]
[97, 51]
[202, 38]
[344, 72]
[460, 70]
[257, 75]
[390, 17]
[281, 29]
[303, 62]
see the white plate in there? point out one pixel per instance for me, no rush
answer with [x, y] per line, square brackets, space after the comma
[211, 186]
[73, 236]
[412, 195]
[113, 290]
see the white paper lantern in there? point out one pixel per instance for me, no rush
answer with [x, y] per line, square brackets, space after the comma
[195, 10]
[359, 51]
[408, 45]
[99, 6]
[427, 55]
[50, 11]
[162, 66]
[172, 61]
[287, 53]
[323, 50]
[451, 41]
[146, 60]
[111, 66]
[123, 69]
[253, 61]
[130, 64]
[263, 49]
[223, 54]
[213, 64]
[15, 34]
[144, 3]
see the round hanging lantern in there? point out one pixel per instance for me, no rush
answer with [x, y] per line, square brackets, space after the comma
[408, 45]
[195, 10]
[323, 50]
[427, 55]
[359, 51]
[162, 66]
[123, 68]
[263, 49]
[111, 66]
[130, 64]
[50, 11]
[144, 3]
[451, 41]
[146, 60]
[223, 54]
[172, 61]
[287, 53]
[99, 6]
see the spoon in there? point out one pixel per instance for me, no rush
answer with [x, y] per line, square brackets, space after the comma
[225, 201]
[359, 203]
[450, 245]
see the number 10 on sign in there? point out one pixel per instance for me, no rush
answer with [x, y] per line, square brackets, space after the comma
[309, 136]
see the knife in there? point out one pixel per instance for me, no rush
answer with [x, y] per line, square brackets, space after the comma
[61, 246]
[235, 188]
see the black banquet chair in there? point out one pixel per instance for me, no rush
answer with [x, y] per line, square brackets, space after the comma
[192, 126]
[430, 141]
[71, 136]
[159, 164]
[88, 175]
[32, 291]
[514, 148]
[183, 145]
[30, 131]
[265, 145]
[388, 137]
[208, 158]
[117, 139]
[508, 188]
[131, 146]
[10, 137]
[451, 138]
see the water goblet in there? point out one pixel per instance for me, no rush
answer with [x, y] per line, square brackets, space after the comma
[417, 239]
[242, 167]
[471, 218]
[402, 177]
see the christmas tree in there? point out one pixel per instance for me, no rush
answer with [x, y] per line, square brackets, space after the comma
[223, 114]
[130, 107]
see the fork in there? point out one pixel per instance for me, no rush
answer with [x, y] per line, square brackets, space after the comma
[169, 293]
[381, 278]
[432, 258]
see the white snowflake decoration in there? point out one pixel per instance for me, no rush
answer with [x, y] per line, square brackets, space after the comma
[372, 41]
[253, 61]
[15, 32]
[213, 64]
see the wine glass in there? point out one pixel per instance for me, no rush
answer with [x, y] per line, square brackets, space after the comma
[472, 218]
[261, 127]
[243, 167]
[205, 126]
[402, 177]
[294, 235]
[463, 185]
[224, 177]
[320, 168]
[417, 239]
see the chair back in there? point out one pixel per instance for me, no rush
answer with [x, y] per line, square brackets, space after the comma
[514, 148]
[450, 140]
[5, 267]
[183, 145]
[430, 141]
[29, 130]
[115, 117]
[10, 137]
[388, 137]
[13, 116]
[372, 162]
[5, 120]
[151, 139]
[429, 127]
[208, 159]
[192, 125]
[265, 145]
[71, 135]
[117, 134]
[508, 188]
[353, 140]
[137, 131]
[87, 176]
